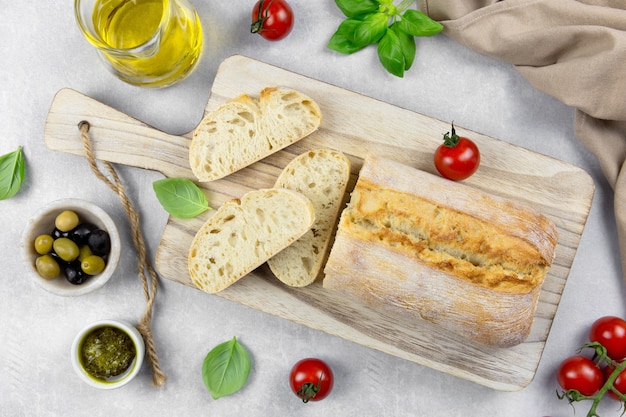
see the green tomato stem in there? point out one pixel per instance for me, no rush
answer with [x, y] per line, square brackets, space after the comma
[451, 139]
[310, 389]
[260, 19]
[608, 385]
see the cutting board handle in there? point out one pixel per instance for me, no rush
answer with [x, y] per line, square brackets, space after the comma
[116, 137]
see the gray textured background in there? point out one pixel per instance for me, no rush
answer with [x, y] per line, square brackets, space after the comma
[42, 51]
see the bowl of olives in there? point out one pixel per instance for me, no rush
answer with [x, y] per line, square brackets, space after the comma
[71, 247]
[107, 354]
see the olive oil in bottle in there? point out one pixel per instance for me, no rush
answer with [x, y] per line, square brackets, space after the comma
[150, 42]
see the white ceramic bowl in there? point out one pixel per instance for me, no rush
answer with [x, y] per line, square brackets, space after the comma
[42, 222]
[119, 380]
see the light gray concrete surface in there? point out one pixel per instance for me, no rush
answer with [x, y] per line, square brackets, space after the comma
[42, 51]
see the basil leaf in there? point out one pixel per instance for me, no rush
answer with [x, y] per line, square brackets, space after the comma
[11, 173]
[352, 8]
[367, 24]
[417, 23]
[390, 53]
[343, 39]
[371, 29]
[407, 43]
[226, 368]
[180, 197]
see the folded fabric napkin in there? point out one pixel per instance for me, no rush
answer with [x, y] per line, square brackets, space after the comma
[573, 50]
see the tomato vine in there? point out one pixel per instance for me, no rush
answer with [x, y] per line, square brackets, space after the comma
[600, 358]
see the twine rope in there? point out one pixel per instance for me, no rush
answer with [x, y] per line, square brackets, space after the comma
[143, 264]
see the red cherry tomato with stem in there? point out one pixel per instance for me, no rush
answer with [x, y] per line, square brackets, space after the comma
[311, 379]
[457, 158]
[272, 19]
[580, 373]
[610, 332]
[619, 384]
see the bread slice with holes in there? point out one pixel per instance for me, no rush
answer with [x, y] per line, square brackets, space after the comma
[243, 234]
[245, 130]
[322, 175]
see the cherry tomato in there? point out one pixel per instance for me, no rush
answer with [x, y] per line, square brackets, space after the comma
[272, 19]
[580, 373]
[457, 158]
[610, 332]
[311, 379]
[619, 383]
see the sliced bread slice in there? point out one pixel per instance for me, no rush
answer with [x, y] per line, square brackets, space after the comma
[245, 130]
[243, 234]
[322, 175]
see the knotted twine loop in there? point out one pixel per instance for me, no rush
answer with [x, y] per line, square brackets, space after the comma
[150, 291]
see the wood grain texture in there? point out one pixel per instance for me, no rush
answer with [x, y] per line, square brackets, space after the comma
[355, 125]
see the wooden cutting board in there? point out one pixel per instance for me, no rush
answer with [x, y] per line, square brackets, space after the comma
[356, 125]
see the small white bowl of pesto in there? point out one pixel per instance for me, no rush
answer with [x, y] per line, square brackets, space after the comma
[108, 354]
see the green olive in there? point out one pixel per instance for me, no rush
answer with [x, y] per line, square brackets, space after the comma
[43, 244]
[47, 267]
[92, 265]
[66, 249]
[66, 221]
[84, 252]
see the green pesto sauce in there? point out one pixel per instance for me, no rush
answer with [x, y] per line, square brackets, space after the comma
[107, 352]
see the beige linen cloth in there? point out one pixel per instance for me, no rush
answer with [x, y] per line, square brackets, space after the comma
[574, 50]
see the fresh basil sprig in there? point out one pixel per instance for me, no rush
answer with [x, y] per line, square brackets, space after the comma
[392, 27]
[226, 368]
[180, 197]
[11, 173]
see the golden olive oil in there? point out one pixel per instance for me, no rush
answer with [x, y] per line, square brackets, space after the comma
[155, 42]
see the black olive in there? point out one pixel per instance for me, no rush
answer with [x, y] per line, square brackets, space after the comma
[81, 232]
[99, 242]
[56, 233]
[74, 274]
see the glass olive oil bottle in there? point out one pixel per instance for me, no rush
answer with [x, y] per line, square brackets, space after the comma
[148, 42]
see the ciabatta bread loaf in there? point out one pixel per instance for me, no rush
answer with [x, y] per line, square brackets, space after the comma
[414, 243]
[322, 175]
[243, 234]
[245, 130]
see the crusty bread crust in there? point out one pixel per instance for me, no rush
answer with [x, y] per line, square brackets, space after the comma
[245, 130]
[243, 234]
[387, 280]
[415, 243]
[322, 175]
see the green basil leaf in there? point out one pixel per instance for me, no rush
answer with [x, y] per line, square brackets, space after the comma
[371, 21]
[352, 8]
[11, 173]
[417, 23]
[226, 368]
[180, 197]
[371, 29]
[342, 39]
[407, 43]
[390, 53]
